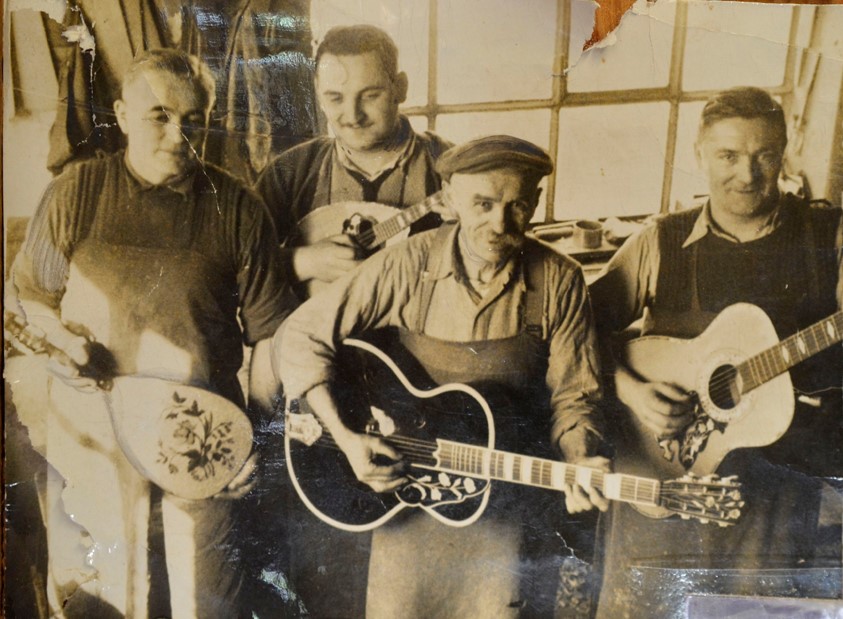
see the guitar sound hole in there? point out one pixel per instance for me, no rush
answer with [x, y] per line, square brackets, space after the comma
[723, 387]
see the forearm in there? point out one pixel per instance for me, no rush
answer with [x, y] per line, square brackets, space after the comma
[322, 403]
[264, 387]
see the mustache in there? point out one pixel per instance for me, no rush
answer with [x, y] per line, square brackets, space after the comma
[505, 239]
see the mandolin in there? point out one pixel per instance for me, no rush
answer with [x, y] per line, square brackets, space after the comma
[369, 224]
[186, 440]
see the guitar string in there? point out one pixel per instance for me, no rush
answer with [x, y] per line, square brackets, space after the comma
[664, 490]
[722, 385]
[367, 237]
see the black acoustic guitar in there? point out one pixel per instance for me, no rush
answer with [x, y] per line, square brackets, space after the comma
[447, 437]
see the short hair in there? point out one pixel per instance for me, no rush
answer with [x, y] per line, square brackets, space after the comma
[743, 102]
[176, 63]
[358, 40]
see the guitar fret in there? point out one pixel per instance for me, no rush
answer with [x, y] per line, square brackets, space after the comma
[384, 230]
[557, 475]
[791, 351]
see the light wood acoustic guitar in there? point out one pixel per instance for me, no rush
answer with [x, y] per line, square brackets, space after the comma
[447, 438]
[186, 440]
[369, 224]
[737, 372]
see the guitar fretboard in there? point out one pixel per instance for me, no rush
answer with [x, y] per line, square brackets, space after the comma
[542, 473]
[766, 365]
[385, 230]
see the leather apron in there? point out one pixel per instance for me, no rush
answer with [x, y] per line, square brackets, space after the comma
[650, 566]
[420, 567]
[121, 296]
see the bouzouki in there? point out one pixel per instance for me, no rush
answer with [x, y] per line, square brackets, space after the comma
[369, 224]
[188, 441]
[450, 474]
[737, 372]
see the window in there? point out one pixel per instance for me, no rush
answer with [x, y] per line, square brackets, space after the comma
[620, 121]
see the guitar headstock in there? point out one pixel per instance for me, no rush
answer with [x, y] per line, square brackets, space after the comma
[303, 427]
[708, 499]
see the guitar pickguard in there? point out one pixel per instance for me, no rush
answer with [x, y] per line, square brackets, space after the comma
[438, 489]
[686, 449]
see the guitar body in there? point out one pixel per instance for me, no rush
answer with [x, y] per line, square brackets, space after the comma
[324, 479]
[351, 218]
[758, 418]
[188, 441]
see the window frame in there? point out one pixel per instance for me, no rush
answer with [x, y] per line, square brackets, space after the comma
[673, 93]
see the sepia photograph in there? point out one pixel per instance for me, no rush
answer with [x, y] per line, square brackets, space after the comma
[422, 309]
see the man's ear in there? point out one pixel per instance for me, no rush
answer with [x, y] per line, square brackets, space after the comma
[698, 154]
[401, 86]
[535, 204]
[446, 208]
[120, 113]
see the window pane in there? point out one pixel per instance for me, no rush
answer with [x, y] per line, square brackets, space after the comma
[639, 58]
[406, 22]
[688, 179]
[611, 160]
[730, 44]
[532, 125]
[419, 123]
[495, 50]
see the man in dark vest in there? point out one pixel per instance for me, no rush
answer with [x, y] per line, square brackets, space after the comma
[472, 302]
[748, 243]
[373, 156]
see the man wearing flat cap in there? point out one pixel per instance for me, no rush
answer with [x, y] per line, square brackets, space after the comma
[475, 302]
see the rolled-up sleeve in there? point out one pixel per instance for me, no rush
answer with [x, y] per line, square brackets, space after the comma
[40, 269]
[573, 374]
[266, 297]
[370, 297]
[627, 284]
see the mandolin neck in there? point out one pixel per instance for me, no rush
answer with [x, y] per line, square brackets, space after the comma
[385, 230]
[778, 359]
[542, 473]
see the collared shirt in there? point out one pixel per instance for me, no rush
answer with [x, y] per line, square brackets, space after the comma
[627, 285]
[182, 185]
[386, 291]
[398, 158]
[311, 175]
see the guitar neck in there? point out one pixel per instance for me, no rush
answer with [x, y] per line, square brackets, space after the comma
[385, 230]
[542, 473]
[17, 328]
[777, 360]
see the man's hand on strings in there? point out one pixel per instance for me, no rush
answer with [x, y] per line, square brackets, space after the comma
[663, 408]
[327, 260]
[68, 364]
[374, 462]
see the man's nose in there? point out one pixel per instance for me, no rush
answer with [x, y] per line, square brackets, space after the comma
[747, 170]
[499, 219]
[174, 131]
[353, 110]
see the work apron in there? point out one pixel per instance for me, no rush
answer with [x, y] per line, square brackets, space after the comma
[99, 524]
[651, 566]
[506, 563]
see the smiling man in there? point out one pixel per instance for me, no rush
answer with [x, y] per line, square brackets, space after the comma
[171, 266]
[374, 156]
[748, 243]
[473, 302]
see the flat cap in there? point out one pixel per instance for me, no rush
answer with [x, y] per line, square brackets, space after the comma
[491, 153]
